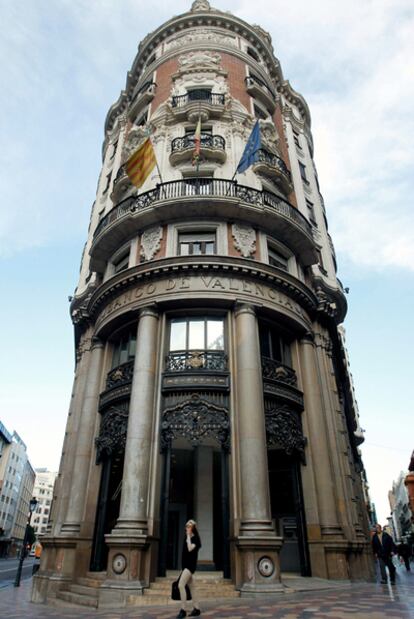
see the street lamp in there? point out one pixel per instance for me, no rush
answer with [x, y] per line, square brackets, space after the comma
[32, 507]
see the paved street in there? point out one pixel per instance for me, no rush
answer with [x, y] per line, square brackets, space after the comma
[361, 601]
[8, 568]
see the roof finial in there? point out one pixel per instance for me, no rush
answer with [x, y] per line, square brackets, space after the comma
[200, 5]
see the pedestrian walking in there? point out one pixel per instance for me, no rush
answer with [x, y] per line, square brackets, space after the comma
[384, 548]
[191, 546]
[404, 552]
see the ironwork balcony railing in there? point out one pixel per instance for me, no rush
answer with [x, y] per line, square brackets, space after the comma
[193, 360]
[274, 370]
[198, 95]
[205, 187]
[216, 142]
[120, 375]
[274, 161]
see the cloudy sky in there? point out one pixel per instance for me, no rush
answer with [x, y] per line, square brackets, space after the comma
[64, 64]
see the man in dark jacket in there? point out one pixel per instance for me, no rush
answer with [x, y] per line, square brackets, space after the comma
[404, 552]
[384, 548]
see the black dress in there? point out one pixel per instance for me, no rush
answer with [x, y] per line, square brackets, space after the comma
[189, 558]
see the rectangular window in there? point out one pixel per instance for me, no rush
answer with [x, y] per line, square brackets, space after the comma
[108, 182]
[311, 211]
[276, 259]
[122, 261]
[302, 169]
[274, 345]
[198, 186]
[296, 139]
[197, 334]
[196, 244]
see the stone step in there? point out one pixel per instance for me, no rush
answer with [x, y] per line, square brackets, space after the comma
[83, 590]
[77, 598]
[165, 589]
[162, 600]
[86, 581]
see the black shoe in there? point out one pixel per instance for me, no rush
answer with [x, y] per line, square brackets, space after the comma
[181, 614]
[195, 612]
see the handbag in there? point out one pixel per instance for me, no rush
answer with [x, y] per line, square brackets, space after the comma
[175, 592]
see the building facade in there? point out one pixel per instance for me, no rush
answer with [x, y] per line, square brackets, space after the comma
[400, 509]
[43, 492]
[17, 480]
[211, 378]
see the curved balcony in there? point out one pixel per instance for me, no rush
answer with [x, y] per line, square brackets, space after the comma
[196, 369]
[211, 197]
[143, 96]
[280, 381]
[258, 89]
[212, 148]
[274, 168]
[118, 384]
[198, 103]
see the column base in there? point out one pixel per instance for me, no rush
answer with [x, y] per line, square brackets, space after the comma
[259, 564]
[127, 560]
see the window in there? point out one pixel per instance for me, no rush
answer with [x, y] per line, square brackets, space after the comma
[197, 186]
[121, 262]
[124, 349]
[251, 52]
[108, 182]
[142, 120]
[276, 259]
[197, 334]
[150, 60]
[311, 211]
[45, 520]
[296, 139]
[274, 344]
[196, 244]
[302, 169]
[199, 94]
[114, 146]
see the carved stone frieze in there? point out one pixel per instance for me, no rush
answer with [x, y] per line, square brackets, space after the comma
[112, 433]
[199, 59]
[200, 5]
[195, 419]
[269, 135]
[200, 35]
[244, 239]
[283, 428]
[134, 139]
[151, 242]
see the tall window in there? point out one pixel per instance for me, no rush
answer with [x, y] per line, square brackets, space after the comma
[277, 259]
[121, 262]
[302, 169]
[124, 349]
[196, 244]
[196, 334]
[274, 344]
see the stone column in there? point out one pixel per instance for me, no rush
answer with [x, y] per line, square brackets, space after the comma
[128, 540]
[330, 537]
[257, 537]
[84, 443]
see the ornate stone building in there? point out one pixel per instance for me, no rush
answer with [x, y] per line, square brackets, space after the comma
[211, 379]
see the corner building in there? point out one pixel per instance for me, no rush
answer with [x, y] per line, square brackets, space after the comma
[211, 381]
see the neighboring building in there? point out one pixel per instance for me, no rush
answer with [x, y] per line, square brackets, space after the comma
[212, 380]
[43, 492]
[400, 508]
[17, 479]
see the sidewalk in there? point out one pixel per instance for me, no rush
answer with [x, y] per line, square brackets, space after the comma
[361, 601]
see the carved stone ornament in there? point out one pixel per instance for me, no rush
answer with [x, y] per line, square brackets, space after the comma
[200, 5]
[269, 135]
[119, 563]
[199, 59]
[283, 428]
[195, 419]
[244, 239]
[198, 35]
[112, 433]
[325, 306]
[151, 242]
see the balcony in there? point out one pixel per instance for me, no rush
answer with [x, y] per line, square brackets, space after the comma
[196, 369]
[206, 196]
[212, 148]
[118, 384]
[258, 89]
[143, 96]
[274, 168]
[280, 381]
[197, 104]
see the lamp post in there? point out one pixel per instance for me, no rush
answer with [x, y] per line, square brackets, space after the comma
[32, 507]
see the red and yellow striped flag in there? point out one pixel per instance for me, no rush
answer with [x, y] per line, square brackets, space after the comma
[140, 164]
[197, 144]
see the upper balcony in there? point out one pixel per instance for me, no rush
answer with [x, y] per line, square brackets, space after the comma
[196, 369]
[258, 89]
[273, 167]
[202, 197]
[280, 381]
[144, 96]
[198, 103]
[118, 384]
[213, 148]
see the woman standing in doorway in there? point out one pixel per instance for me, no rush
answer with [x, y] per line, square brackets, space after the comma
[191, 546]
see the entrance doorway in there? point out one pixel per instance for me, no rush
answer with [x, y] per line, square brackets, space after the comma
[197, 488]
[286, 498]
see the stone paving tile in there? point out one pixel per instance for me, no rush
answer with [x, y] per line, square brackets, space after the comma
[361, 601]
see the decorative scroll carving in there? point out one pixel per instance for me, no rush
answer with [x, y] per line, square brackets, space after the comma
[199, 59]
[135, 138]
[195, 419]
[274, 370]
[112, 433]
[244, 239]
[325, 306]
[283, 428]
[151, 242]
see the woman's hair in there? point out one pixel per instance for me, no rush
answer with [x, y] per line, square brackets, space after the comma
[193, 525]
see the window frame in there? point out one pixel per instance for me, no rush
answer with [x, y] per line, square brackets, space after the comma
[202, 317]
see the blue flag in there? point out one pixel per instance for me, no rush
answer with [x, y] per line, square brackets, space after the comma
[250, 153]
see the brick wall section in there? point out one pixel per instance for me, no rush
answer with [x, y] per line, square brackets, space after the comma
[235, 252]
[164, 82]
[278, 120]
[236, 70]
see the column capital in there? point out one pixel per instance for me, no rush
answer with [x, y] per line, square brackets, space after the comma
[244, 308]
[150, 310]
[96, 342]
[308, 338]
